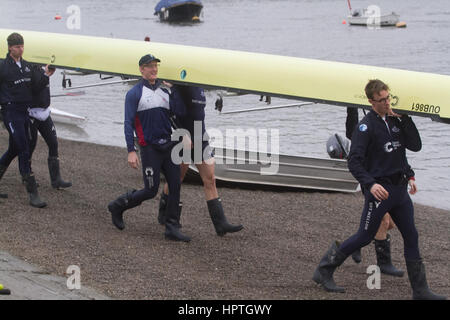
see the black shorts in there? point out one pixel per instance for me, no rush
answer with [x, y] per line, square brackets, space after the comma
[206, 154]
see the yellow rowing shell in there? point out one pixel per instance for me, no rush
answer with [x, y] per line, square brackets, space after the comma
[420, 93]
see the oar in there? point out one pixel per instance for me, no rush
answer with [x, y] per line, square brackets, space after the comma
[100, 84]
[268, 108]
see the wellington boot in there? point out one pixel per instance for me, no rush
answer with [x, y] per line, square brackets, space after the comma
[118, 206]
[221, 225]
[418, 280]
[323, 275]
[356, 256]
[55, 175]
[173, 231]
[31, 186]
[162, 208]
[383, 251]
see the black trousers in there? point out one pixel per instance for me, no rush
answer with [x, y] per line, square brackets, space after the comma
[17, 122]
[48, 132]
[154, 161]
[400, 207]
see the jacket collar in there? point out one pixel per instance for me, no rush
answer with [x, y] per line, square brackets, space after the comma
[152, 86]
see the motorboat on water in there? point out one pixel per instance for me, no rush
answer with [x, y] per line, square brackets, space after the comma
[179, 10]
[367, 17]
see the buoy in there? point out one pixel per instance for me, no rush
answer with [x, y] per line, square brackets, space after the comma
[401, 24]
[58, 17]
[344, 22]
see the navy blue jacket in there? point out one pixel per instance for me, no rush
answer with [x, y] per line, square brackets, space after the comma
[195, 101]
[147, 112]
[376, 153]
[41, 96]
[17, 84]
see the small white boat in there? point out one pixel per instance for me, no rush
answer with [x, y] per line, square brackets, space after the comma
[245, 167]
[66, 117]
[368, 18]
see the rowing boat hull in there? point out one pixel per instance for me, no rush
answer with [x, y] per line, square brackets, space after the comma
[420, 93]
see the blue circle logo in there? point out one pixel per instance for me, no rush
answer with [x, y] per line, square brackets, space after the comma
[183, 74]
[363, 127]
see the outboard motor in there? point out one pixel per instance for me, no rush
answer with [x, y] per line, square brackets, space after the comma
[338, 147]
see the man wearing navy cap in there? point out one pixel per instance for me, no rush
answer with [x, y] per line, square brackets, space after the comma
[148, 107]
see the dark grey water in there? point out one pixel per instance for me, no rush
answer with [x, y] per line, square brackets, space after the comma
[301, 28]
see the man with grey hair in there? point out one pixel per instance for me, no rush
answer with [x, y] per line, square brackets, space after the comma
[148, 106]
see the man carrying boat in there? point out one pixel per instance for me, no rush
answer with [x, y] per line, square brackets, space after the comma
[17, 83]
[194, 123]
[148, 106]
[41, 121]
[378, 161]
[382, 240]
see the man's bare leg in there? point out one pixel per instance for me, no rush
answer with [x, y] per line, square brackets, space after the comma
[206, 170]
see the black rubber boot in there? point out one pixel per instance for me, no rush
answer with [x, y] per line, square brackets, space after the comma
[31, 186]
[218, 218]
[418, 279]
[173, 231]
[173, 225]
[118, 206]
[323, 275]
[383, 251]
[55, 175]
[162, 208]
[2, 172]
[356, 256]
[178, 216]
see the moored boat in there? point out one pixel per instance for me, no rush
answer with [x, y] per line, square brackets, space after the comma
[366, 18]
[299, 172]
[179, 10]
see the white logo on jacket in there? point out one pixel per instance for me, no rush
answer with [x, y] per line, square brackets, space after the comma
[391, 146]
[153, 99]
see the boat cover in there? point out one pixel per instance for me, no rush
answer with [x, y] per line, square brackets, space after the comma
[170, 3]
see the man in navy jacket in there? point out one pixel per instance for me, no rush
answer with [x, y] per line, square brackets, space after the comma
[40, 120]
[148, 107]
[378, 161]
[18, 81]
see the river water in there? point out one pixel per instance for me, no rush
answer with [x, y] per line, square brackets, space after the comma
[300, 28]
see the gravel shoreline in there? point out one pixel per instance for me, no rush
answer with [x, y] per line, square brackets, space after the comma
[285, 235]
